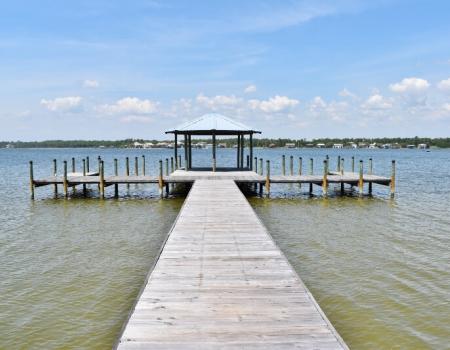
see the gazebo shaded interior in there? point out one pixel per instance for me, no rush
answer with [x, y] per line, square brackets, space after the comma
[214, 125]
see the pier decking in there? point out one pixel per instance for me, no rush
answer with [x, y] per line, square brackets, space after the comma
[221, 282]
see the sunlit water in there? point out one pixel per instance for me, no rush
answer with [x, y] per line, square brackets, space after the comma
[71, 269]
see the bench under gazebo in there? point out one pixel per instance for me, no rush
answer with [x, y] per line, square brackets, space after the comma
[214, 125]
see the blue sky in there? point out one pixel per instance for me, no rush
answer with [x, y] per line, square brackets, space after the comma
[300, 69]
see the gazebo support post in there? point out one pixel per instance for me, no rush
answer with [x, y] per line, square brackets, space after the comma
[185, 152]
[214, 151]
[190, 152]
[175, 150]
[251, 151]
[242, 150]
[238, 155]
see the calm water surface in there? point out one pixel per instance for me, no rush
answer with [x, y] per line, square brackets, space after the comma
[70, 269]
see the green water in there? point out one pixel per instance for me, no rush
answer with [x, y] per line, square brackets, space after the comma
[71, 269]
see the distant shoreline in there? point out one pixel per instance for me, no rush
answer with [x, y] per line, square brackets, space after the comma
[352, 143]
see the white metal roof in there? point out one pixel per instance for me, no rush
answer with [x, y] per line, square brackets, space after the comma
[211, 122]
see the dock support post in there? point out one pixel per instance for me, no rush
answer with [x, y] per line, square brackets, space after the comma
[84, 174]
[325, 178]
[136, 166]
[256, 165]
[300, 168]
[370, 173]
[283, 165]
[361, 179]
[392, 187]
[73, 171]
[127, 169]
[251, 150]
[87, 164]
[291, 166]
[160, 179]
[268, 177]
[116, 173]
[143, 165]
[102, 180]
[342, 174]
[55, 174]
[261, 170]
[171, 165]
[31, 179]
[242, 149]
[65, 185]
[353, 164]
[311, 172]
[338, 165]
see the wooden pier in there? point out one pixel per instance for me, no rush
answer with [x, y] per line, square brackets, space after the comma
[240, 175]
[221, 282]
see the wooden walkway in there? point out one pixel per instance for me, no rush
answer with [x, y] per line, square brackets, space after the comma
[222, 283]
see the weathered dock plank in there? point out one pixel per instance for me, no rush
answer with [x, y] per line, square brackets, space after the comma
[221, 282]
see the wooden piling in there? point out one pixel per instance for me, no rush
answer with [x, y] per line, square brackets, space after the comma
[55, 173]
[102, 179]
[73, 164]
[283, 165]
[160, 179]
[338, 165]
[361, 180]
[311, 172]
[143, 165]
[116, 173]
[291, 165]
[31, 179]
[167, 166]
[87, 163]
[353, 164]
[268, 177]
[84, 174]
[342, 174]
[370, 173]
[136, 166]
[127, 166]
[99, 159]
[325, 179]
[256, 165]
[172, 165]
[65, 185]
[300, 169]
[261, 170]
[392, 187]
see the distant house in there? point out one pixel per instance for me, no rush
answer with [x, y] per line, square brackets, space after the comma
[222, 145]
[363, 145]
[272, 145]
[422, 146]
[338, 145]
[289, 145]
[138, 145]
[353, 145]
[373, 145]
[320, 145]
[410, 146]
[386, 146]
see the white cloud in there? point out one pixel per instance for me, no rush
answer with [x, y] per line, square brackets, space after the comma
[410, 85]
[446, 107]
[91, 83]
[377, 101]
[130, 105]
[317, 103]
[62, 104]
[347, 93]
[217, 102]
[444, 84]
[136, 119]
[249, 89]
[273, 104]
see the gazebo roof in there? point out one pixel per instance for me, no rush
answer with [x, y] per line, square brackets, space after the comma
[213, 123]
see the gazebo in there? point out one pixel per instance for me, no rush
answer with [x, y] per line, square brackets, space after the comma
[214, 125]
